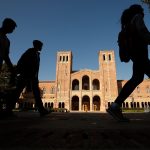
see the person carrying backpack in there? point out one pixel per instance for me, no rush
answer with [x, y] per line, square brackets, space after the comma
[132, 20]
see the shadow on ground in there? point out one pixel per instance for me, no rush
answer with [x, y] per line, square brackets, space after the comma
[74, 131]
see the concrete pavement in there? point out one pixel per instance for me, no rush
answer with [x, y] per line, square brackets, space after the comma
[74, 131]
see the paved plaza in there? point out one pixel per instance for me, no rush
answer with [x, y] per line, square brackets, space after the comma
[74, 131]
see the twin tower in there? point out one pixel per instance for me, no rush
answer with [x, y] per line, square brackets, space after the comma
[86, 90]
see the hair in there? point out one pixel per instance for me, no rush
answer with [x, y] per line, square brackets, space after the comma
[37, 43]
[129, 13]
[8, 21]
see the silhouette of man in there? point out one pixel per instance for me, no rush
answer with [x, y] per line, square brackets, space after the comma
[133, 17]
[27, 73]
[8, 27]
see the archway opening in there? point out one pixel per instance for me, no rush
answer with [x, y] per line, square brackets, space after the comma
[75, 103]
[86, 103]
[96, 103]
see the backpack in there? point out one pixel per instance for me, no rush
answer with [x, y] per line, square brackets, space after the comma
[125, 45]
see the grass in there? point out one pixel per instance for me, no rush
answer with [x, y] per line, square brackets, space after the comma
[133, 110]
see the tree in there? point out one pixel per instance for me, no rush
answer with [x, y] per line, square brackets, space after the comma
[146, 2]
[4, 76]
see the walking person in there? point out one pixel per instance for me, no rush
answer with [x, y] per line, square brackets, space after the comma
[133, 17]
[8, 26]
[27, 73]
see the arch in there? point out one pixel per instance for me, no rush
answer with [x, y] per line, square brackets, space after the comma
[59, 105]
[134, 104]
[142, 104]
[96, 103]
[131, 103]
[123, 104]
[95, 84]
[127, 105]
[86, 103]
[45, 105]
[75, 84]
[138, 105]
[52, 105]
[49, 105]
[85, 83]
[63, 105]
[75, 103]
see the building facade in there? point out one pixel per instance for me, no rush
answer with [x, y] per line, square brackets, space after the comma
[87, 90]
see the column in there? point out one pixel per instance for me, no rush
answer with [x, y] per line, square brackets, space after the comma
[91, 102]
[80, 102]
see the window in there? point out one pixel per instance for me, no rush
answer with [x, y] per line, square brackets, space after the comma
[85, 83]
[147, 89]
[75, 84]
[52, 90]
[63, 58]
[109, 56]
[104, 57]
[95, 84]
[60, 58]
[44, 90]
[66, 58]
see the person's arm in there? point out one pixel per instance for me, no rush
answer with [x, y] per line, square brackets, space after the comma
[9, 63]
[142, 29]
[5, 55]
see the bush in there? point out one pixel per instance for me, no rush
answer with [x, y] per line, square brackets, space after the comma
[59, 110]
[133, 110]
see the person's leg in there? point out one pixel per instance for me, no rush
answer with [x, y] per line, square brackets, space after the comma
[37, 95]
[136, 79]
[38, 100]
[20, 85]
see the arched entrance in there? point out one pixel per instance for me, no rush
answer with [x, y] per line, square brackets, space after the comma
[75, 103]
[96, 103]
[86, 103]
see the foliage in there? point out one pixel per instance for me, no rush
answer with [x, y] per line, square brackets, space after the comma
[4, 76]
[146, 2]
[131, 110]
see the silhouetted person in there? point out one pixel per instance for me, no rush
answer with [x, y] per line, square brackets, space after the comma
[27, 73]
[8, 27]
[133, 17]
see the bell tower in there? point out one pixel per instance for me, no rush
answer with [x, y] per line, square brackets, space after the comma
[63, 78]
[107, 67]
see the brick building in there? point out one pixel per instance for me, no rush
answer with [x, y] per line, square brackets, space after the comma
[86, 90]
